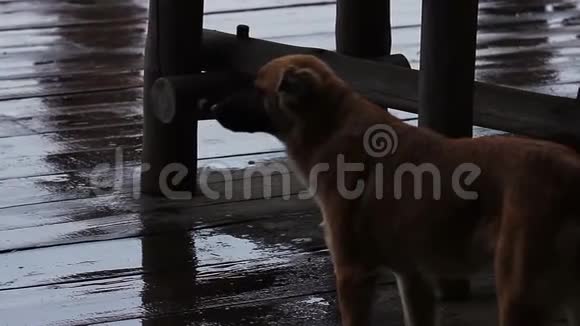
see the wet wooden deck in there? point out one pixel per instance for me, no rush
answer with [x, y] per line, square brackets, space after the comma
[79, 246]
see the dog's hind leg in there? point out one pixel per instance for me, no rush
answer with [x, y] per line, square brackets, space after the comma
[518, 271]
[356, 289]
[418, 299]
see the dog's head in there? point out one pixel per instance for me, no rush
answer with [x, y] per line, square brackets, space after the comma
[288, 91]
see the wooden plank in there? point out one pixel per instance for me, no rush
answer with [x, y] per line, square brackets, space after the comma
[271, 259]
[313, 22]
[254, 230]
[85, 38]
[215, 141]
[70, 142]
[494, 48]
[108, 222]
[74, 83]
[44, 52]
[55, 13]
[33, 64]
[230, 5]
[299, 289]
[290, 22]
[319, 309]
[81, 103]
[122, 298]
[102, 180]
[13, 128]
[494, 64]
[43, 14]
[103, 116]
[274, 247]
[260, 274]
[220, 178]
[50, 13]
[64, 163]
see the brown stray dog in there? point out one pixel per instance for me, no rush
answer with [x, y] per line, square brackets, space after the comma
[518, 207]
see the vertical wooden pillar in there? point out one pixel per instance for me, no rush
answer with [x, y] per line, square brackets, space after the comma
[363, 28]
[448, 40]
[448, 44]
[173, 43]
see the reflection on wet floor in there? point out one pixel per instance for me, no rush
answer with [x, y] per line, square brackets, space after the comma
[79, 245]
[522, 42]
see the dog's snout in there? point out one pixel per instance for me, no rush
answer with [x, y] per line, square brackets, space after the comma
[243, 111]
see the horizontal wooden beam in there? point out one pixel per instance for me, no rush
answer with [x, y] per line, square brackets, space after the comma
[497, 107]
[173, 97]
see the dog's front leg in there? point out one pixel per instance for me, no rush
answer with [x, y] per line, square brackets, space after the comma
[418, 300]
[356, 288]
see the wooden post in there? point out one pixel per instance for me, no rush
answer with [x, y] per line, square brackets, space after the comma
[172, 48]
[448, 40]
[363, 28]
[446, 83]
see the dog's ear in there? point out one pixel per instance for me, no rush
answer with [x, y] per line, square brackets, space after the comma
[298, 82]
